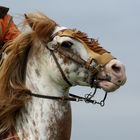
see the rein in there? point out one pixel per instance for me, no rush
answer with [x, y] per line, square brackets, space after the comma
[73, 97]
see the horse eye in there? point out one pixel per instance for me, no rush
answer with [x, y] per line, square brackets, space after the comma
[66, 44]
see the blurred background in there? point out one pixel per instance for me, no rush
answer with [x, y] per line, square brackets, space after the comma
[116, 24]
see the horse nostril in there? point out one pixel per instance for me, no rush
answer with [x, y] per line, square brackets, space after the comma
[116, 68]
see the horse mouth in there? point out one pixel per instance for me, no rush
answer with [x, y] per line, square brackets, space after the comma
[95, 82]
[105, 83]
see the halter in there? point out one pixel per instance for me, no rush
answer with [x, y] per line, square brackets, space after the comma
[94, 64]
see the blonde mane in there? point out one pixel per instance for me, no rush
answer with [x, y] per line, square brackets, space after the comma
[12, 71]
[93, 44]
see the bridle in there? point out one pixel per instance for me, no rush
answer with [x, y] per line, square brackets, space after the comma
[94, 64]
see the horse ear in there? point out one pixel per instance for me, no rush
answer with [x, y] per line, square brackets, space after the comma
[41, 24]
[28, 20]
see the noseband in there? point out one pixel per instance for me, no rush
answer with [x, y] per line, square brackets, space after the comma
[94, 64]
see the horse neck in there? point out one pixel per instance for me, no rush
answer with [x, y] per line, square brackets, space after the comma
[44, 119]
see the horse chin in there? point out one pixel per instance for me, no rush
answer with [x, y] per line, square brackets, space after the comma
[107, 86]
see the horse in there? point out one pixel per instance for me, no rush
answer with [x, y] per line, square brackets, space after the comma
[39, 68]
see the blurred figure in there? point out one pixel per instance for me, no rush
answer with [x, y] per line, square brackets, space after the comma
[8, 29]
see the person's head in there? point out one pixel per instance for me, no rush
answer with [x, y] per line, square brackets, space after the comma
[3, 11]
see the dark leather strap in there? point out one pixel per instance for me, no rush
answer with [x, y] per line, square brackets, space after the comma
[77, 59]
[60, 69]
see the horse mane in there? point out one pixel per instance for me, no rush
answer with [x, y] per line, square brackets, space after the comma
[93, 44]
[13, 92]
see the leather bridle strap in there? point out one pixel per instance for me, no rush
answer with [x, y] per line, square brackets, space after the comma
[74, 57]
[60, 69]
[62, 98]
[71, 97]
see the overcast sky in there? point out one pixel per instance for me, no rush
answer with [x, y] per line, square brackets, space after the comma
[116, 23]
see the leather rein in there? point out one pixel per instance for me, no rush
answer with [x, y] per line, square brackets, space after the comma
[90, 65]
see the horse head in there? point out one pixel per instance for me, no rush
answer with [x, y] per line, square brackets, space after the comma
[83, 61]
[87, 63]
